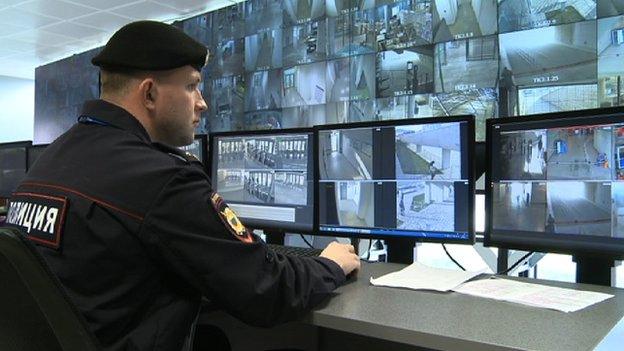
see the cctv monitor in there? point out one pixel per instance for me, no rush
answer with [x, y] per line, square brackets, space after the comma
[198, 148]
[266, 177]
[555, 183]
[13, 165]
[409, 178]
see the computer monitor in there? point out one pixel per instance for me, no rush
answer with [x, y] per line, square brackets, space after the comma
[555, 183]
[266, 177]
[409, 178]
[13, 165]
[34, 151]
[198, 148]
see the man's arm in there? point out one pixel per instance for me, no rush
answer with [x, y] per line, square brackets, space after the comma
[183, 231]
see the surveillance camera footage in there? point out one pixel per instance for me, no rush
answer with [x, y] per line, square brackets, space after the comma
[461, 19]
[519, 15]
[263, 50]
[560, 179]
[404, 72]
[400, 180]
[403, 24]
[266, 176]
[262, 15]
[466, 64]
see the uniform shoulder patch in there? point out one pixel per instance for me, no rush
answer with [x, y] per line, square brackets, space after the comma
[40, 217]
[230, 220]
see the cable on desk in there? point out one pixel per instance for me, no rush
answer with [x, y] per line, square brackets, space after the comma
[306, 241]
[452, 259]
[516, 264]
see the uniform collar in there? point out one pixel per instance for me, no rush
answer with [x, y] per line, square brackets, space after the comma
[115, 116]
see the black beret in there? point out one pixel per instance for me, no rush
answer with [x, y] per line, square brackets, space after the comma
[150, 46]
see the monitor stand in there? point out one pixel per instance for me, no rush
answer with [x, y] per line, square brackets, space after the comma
[400, 250]
[593, 270]
[502, 261]
[275, 237]
[479, 159]
[355, 242]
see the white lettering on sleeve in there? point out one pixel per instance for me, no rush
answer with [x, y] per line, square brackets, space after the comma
[50, 219]
[29, 217]
[39, 217]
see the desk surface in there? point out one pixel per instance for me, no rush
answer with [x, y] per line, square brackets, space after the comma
[452, 321]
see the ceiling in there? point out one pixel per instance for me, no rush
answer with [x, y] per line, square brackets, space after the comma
[36, 32]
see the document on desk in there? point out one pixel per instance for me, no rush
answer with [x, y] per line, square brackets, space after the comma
[560, 299]
[417, 276]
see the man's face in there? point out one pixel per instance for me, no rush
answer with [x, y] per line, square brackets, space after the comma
[179, 104]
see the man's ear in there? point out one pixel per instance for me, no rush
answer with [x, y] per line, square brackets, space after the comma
[149, 93]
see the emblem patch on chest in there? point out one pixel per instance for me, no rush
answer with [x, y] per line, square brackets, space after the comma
[40, 217]
[230, 220]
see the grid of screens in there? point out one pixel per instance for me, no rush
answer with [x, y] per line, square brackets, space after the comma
[267, 178]
[299, 63]
[60, 90]
[557, 183]
[407, 179]
[12, 166]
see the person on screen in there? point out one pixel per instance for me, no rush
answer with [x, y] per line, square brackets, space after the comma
[506, 90]
[432, 169]
[134, 231]
[550, 224]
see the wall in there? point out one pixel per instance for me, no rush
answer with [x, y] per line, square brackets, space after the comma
[61, 88]
[364, 137]
[604, 31]
[17, 105]
[366, 209]
[447, 10]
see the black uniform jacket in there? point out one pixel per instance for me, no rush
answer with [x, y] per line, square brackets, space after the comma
[132, 230]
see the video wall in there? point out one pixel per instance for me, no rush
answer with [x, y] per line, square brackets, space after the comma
[61, 88]
[297, 63]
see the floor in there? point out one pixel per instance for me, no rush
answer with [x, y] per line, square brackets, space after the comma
[514, 214]
[579, 162]
[461, 74]
[338, 167]
[580, 216]
[287, 195]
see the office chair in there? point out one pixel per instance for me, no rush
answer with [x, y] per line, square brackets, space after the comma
[35, 312]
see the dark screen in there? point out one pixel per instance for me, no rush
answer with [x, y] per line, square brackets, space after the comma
[12, 168]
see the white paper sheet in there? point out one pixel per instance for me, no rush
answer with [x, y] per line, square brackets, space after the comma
[560, 299]
[417, 276]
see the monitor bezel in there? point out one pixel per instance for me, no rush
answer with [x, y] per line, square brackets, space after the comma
[580, 245]
[12, 145]
[470, 119]
[254, 223]
[203, 138]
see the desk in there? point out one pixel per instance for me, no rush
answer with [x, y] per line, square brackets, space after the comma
[451, 321]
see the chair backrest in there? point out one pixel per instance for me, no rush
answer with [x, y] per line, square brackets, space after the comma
[35, 311]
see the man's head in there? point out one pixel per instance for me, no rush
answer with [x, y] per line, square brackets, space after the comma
[153, 70]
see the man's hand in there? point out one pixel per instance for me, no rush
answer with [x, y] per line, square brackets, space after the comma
[344, 255]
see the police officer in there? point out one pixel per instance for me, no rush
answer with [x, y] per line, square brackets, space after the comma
[130, 224]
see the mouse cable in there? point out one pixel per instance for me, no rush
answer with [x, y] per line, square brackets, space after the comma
[306, 241]
[452, 259]
[515, 264]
